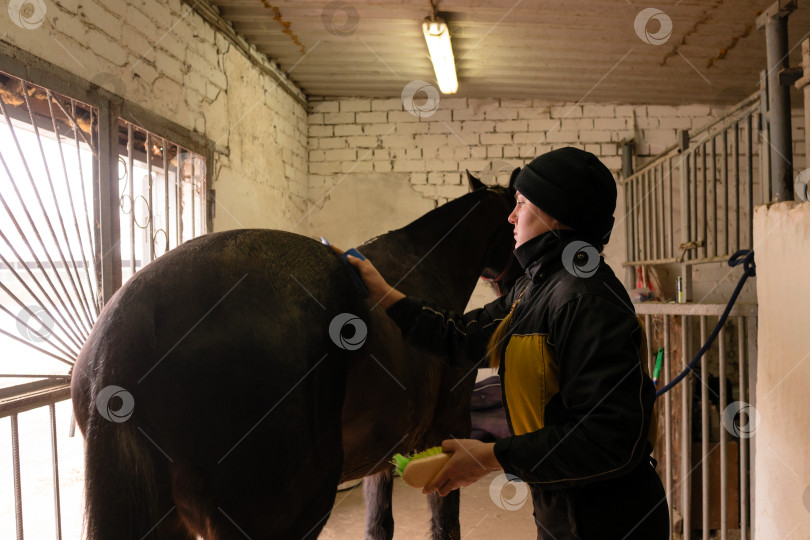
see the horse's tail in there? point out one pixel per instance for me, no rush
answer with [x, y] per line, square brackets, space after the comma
[121, 499]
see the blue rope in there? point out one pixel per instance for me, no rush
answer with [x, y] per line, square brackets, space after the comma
[746, 258]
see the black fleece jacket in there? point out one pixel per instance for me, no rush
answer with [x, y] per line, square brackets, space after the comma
[577, 397]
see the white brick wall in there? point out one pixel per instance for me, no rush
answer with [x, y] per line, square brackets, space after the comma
[167, 59]
[476, 134]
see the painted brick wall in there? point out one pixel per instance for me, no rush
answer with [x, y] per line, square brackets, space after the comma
[378, 135]
[166, 58]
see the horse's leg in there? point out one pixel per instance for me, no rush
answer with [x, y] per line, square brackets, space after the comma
[444, 516]
[378, 492]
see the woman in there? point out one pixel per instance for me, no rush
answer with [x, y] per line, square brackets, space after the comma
[568, 348]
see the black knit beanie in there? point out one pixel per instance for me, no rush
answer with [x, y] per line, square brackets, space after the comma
[573, 187]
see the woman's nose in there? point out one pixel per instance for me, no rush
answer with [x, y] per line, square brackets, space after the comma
[512, 218]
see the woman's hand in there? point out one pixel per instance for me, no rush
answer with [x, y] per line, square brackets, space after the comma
[471, 461]
[379, 291]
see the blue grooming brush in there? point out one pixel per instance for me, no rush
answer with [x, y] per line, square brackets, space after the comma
[358, 281]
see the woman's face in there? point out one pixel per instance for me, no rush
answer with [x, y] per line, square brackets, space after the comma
[529, 220]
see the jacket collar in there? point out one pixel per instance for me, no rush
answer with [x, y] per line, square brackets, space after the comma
[542, 254]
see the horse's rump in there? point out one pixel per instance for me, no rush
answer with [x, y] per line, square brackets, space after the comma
[237, 386]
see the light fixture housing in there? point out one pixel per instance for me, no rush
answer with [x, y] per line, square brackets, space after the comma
[437, 37]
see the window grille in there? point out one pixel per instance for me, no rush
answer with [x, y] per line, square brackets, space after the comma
[92, 188]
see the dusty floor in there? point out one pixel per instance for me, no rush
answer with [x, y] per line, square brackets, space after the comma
[480, 517]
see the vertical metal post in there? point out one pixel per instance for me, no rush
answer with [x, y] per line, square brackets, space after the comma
[627, 159]
[96, 207]
[715, 250]
[737, 179]
[193, 198]
[693, 183]
[775, 22]
[686, 218]
[178, 198]
[15, 458]
[637, 243]
[750, 170]
[649, 174]
[668, 421]
[751, 444]
[721, 341]
[661, 208]
[150, 229]
[671, 210]
[743, 441]
[686, 433]
[646, 231]
[724, 181]
[764, 142]
[629, 222]
[704, 434]
[653, 223]
[55, 456]
[108, 202]
[208, 194]
[166, 192]
[131, 185]
[648, 333]
[705, 190]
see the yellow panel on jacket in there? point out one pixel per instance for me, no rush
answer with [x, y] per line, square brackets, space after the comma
[530, 380]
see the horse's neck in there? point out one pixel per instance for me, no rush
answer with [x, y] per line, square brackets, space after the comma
[439, 256]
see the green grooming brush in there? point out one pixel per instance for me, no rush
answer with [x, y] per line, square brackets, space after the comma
[419, 469]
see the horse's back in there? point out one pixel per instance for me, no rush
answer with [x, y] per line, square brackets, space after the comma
[224, 346]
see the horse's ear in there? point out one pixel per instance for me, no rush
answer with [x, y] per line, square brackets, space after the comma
[474, 182]
[512, 179]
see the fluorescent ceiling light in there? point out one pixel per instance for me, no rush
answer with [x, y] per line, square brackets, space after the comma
[441, 54]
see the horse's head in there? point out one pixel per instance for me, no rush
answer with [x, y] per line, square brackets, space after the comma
[501, 268]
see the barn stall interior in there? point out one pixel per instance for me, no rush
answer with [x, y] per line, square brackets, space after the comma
[132, 126]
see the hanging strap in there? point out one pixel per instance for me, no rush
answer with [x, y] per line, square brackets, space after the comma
[746, 258]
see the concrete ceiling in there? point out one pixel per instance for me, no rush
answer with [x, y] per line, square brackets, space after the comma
[553, 50]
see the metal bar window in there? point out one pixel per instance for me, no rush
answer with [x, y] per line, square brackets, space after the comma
[77, 176]
[38, 251]
[162, 194]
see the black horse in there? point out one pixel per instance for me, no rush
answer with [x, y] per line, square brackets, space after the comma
[230, 385]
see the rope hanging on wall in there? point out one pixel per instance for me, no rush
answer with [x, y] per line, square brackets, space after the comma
[746, 258]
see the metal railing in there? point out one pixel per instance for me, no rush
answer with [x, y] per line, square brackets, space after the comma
[694, 202]
[26, 397]
[722, 462]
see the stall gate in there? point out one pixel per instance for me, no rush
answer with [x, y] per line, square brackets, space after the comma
[689, 206]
